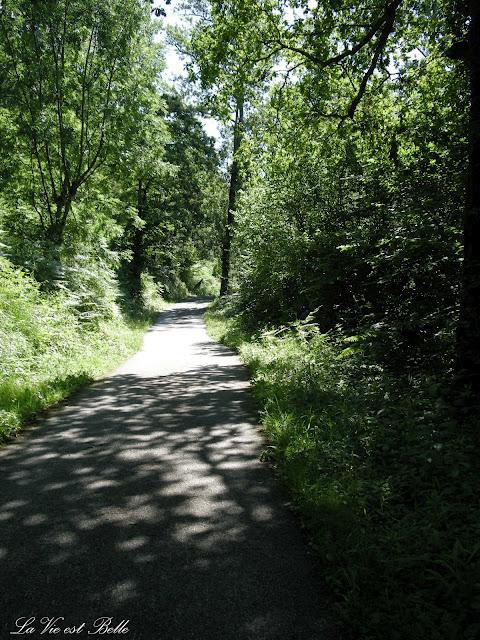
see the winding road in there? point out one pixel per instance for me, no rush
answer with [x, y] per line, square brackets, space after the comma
[142, 500]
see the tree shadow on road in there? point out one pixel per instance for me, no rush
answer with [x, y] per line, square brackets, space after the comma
[144, 500]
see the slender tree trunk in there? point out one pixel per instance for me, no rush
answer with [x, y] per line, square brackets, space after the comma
[54, 231]
[50, 270]
[232, 198]
[468, 335]
[137, 262]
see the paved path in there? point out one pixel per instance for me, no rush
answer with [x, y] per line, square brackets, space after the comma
[142, 499]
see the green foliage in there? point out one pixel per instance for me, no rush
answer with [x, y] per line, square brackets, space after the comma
[384, 479]
[347, 270]
[74, 74]
[180, 210]
[47, 350]
[202, 279]
[360, 222]
[110, 191]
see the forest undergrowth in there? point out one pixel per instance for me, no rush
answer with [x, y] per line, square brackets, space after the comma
[386, 482]
[47, 351]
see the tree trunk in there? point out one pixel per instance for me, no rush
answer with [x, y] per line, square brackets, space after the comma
[55, 230]
[232, 198]
[49, 271]
[54, 233]
[468, 334]
[137, 262]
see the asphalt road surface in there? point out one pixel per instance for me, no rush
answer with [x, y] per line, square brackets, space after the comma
[140, 506]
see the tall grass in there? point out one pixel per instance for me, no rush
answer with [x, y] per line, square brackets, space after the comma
[386, 480]
[47, 351]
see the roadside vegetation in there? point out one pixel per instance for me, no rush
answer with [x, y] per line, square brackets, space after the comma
[384, 480]
[351, 286]
[46, 351]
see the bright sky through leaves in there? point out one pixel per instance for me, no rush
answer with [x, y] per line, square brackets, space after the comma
[175, 67]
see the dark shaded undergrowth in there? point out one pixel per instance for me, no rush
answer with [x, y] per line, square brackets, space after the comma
[385, 478]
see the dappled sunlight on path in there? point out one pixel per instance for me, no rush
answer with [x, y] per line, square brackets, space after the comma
[143, 499]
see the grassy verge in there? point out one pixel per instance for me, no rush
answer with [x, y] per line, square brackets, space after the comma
[387, 483]
[46, 352]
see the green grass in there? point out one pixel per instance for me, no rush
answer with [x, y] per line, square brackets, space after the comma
[386, 481]
[46, 352]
